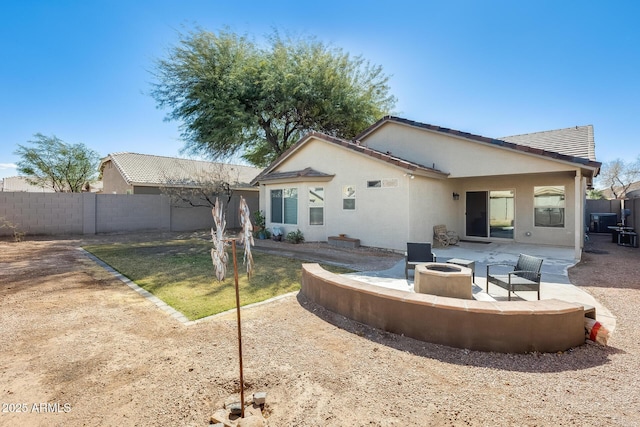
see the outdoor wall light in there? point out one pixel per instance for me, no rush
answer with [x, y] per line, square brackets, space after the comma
[456, 196]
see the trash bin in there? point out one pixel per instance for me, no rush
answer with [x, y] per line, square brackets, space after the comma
[600, 222]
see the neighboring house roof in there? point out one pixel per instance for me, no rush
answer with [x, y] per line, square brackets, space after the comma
[266, 175]
[150, 170]
[20, 184]
[520, 146]
[633, 188]
[575, 141]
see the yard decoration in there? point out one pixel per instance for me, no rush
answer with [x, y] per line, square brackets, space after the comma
[218, 253]
[219, 259]
[246, 235]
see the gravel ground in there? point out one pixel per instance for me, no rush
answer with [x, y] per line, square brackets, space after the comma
[79, 348]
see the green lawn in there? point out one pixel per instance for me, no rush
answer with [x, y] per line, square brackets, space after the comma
[180, 273]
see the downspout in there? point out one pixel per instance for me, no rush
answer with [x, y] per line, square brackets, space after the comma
[409, 224]
[578, 215]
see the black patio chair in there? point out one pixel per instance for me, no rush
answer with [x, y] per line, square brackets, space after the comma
[524, 277]
[417, 253]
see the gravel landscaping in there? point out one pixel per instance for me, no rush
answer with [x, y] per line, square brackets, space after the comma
[80, 348]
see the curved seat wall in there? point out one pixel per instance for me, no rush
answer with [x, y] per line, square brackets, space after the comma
[500, 326]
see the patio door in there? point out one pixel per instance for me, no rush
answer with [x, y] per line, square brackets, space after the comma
[477, 214]
[490, 213]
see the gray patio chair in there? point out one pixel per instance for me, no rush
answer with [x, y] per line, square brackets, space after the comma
[417, 253]
[524, 277]
[444, 236]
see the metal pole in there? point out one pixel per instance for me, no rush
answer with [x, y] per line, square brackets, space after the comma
[235, 275]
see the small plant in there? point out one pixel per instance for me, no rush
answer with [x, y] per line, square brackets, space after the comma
[295, 236]
[259, 222]
[18, 234]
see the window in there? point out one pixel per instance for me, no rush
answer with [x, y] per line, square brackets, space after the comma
[382, 183]
[349, 197]
[316, 206]
[549, 206]
[284, 206]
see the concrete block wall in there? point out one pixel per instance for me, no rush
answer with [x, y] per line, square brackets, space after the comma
[186, 218]
[121, 212]
[90, 213]
[43, 213]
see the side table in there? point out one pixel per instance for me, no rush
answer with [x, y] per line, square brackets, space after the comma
[465, 263]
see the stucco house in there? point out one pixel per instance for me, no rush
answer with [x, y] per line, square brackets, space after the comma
[133, 173]
[399, 178]
[20, 184]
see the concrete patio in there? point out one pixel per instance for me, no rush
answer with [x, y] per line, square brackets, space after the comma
[555, 282]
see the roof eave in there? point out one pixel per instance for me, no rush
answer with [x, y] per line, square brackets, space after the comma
[267, 180]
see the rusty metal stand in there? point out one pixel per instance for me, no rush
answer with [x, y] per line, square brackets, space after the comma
[235, 276]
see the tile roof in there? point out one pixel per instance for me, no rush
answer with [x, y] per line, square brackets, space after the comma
[145, 169]
[545, 150]
[575, 141]
[20, 183]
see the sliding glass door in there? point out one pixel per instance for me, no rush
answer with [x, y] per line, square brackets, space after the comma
[490, 213]
[501, 214]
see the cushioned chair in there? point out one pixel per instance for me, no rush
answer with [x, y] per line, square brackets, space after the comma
[444, 236]
[524, 277]
[417, 253]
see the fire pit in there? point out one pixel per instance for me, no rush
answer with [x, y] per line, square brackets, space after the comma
[445, 280]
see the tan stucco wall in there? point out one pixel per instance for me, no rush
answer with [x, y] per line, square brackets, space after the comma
[390, 217]
[379, 219]
[430, 203]
[473, 166]
[112, 181]
[523, 186]
[502, 326]
[455, 155]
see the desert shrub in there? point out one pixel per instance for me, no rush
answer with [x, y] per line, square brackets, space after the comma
[295, 236]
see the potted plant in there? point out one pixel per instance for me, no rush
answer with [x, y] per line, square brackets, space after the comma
[259, 220]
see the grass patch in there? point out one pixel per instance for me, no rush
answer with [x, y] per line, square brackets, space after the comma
[180, 273]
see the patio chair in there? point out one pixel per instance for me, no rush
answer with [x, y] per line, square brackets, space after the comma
[524, 277]
[444, 236]
[417, 253]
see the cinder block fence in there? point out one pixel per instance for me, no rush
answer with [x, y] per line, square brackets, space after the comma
[90, 213]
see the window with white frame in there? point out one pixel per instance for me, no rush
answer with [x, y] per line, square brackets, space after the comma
[549, 204]
[316, 205]
[349, 197]
[284, 206]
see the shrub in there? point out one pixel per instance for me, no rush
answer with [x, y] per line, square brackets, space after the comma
[259, 222]
[295, 236]
[18, 235]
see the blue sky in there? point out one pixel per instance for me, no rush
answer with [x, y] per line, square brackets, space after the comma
[81, 70]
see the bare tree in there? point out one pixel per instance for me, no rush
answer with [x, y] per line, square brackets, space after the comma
[200, 187]
[618, 175]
